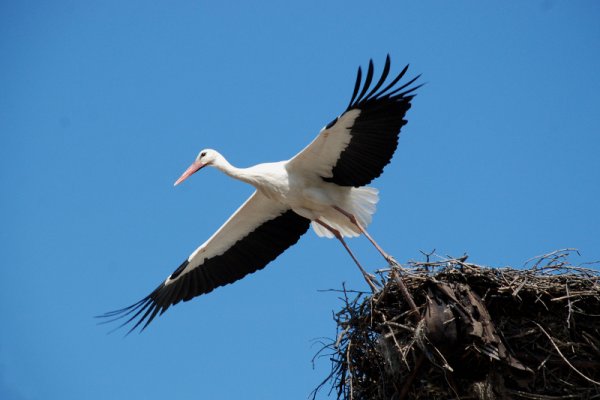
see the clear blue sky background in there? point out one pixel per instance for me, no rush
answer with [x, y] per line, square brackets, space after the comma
[104, 104]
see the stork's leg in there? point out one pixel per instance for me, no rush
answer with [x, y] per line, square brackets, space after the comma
[339, 236]
[353, 219]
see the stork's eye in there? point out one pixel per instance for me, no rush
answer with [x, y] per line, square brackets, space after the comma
[203, 154]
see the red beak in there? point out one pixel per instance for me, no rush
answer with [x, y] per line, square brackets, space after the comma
[195, 167]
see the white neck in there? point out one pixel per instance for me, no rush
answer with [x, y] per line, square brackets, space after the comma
[242, 174]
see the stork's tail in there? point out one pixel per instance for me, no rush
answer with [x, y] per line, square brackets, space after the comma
[361, 202]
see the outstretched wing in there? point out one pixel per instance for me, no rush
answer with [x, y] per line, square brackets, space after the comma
[253, 236]
[353, 149]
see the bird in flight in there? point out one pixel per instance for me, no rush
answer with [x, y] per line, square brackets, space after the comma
[323, 186]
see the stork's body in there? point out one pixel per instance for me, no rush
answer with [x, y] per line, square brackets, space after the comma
[323, 185]
[307, 194]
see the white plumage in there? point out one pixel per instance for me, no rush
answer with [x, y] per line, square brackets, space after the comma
[324, 186]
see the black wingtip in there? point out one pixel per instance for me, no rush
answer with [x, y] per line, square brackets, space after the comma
[356, 86]
[361, 93]
[147, 305]
[384, 74]
[382, 92]
[375, 130]
[368, 79]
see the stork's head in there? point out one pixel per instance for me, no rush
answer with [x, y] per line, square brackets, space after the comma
[205, 157]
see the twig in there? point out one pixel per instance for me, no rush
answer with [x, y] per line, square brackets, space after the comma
[350, 369]
[570, 305]
[563, 357]
[407, 297]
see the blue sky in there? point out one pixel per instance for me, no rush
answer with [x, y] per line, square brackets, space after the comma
[104, 104]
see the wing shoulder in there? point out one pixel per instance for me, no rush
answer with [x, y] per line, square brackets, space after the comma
[353, 149]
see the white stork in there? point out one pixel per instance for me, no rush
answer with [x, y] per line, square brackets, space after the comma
[322, 186]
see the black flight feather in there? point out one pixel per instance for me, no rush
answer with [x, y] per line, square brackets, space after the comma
[375, 131]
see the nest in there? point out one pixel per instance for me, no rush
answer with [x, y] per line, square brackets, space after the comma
[450, 329]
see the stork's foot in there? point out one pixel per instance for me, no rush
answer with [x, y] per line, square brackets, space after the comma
[391, 261]
[370, 281]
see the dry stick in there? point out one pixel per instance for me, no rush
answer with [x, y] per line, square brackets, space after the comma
[563, 357]
[350, 369]
[387, 324]
[574, 294]
[543, 257]
[415, 313]
[570, 305]
[407, 297]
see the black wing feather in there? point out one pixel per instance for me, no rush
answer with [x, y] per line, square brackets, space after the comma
[247, 255]
[384, 74]
[374, 133]
[368, 80]
[356, 86]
